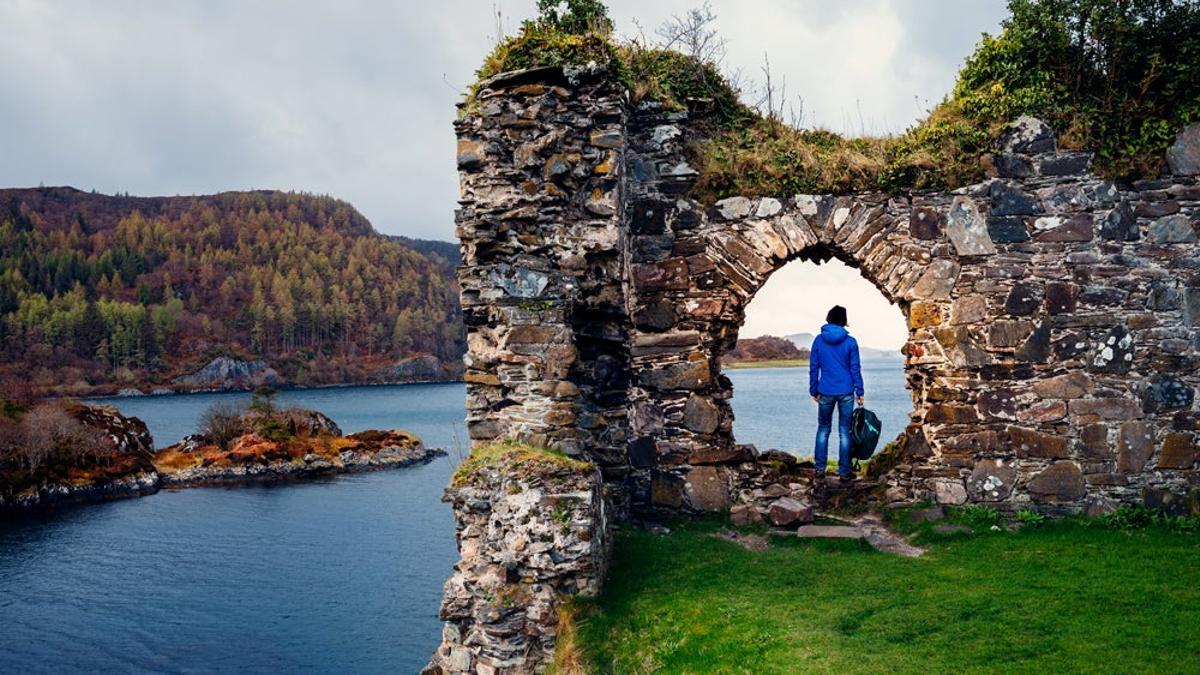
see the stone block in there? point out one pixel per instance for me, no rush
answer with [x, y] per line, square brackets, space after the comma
[1043, 412]
[944, 413]
[1114, 352]
[666, 490]
[991, 481]
[967, 229]
[971, 445]
[662, 276]
[707, 488]
[701, 415]
[1008, 229]
[1006, 333]
[1183, 157]
[1061, 297]
[1120, 224]
[949, 491]
[926, 223]
[1175, 229]
[1030, 443]
[734, 208]
[1077, 227]
[1135, 445]
[655, 316]
[969, 309]
[1166, 392]
[1059, 482]
[1069, 385]
[997, 404]
[471, 153]
[1191, 306]
[689, 375]
[923, 314]
[936, 282]
[1093, 442]
[787, 511]
[1023, 300]
[1065, 164]
[1028, 136]
[1036, 348]
[744, 515]
[1095, 409]
[1008, 200]
[1178, 451]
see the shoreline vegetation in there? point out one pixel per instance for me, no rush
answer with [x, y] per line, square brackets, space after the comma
[56, 452]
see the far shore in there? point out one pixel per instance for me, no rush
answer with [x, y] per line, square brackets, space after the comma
[770, 363]
[280, 388]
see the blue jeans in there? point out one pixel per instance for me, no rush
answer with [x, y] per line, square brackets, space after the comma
[845, 405]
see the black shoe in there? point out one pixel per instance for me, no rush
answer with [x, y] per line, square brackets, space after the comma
[846, 477]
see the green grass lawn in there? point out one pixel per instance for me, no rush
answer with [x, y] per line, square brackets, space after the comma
[1059, 597]
[774, 363]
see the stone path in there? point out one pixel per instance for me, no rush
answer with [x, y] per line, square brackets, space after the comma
[868, 527]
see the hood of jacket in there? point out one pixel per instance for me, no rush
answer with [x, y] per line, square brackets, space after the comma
[833, 333]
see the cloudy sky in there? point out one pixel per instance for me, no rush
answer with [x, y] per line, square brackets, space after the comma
[355, 98]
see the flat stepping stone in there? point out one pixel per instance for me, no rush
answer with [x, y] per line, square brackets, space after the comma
[869, 527]
[830, 532]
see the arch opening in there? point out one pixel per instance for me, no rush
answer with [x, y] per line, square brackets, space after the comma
[768, 364]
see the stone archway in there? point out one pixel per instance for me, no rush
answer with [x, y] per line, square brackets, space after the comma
[739, 244]
[1053, 316]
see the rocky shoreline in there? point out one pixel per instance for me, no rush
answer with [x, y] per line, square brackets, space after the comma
[348, 461]
[252, 459]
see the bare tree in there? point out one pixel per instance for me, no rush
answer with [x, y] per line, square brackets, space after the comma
[221, 423]
[772, 100]
[692, 33]
[48, 431]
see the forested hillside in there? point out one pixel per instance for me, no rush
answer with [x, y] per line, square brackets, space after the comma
[101, 292]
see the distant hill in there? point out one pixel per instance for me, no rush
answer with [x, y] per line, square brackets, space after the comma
[101, 292]
[805, 340]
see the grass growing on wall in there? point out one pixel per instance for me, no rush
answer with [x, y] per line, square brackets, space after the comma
[1117, 78]
[1058, 597]
[517, 459]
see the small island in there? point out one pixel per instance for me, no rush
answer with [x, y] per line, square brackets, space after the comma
[65, 451]
[767, 351]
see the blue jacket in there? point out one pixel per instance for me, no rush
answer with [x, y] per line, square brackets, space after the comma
[833, 366]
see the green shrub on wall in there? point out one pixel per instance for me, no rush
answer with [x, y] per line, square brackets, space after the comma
[1117, 77]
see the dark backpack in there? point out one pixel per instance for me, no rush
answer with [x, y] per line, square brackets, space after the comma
[864, 433]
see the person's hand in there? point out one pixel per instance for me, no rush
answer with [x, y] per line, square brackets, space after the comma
[859, 400]
[817, 398]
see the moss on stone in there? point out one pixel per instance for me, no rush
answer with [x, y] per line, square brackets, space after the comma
[517, 460]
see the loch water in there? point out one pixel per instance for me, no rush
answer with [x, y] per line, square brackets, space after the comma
[339, 574]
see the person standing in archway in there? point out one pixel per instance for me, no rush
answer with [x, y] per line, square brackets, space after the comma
[834, 380]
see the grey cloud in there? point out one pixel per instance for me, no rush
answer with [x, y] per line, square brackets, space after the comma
[353, 99]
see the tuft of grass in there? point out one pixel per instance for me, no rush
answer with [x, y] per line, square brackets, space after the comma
[516, 459]
[569, 658]
[1061, 597]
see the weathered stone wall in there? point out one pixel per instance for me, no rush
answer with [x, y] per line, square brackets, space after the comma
[528, 541]
[540, 159]
[1053, 316]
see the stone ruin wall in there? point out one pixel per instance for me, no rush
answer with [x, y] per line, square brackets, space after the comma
[527, 543]
[1053, 316]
